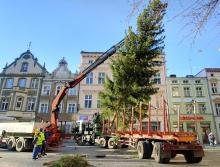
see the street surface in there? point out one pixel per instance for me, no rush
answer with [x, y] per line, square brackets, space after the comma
[94, 154]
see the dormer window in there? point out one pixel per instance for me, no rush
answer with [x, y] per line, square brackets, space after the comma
[24, 67]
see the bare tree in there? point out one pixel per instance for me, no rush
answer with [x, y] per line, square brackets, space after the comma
[196, 14]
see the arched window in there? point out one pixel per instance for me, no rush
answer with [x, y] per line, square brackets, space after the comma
[24, 67]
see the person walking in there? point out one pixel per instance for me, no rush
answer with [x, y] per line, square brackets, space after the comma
[37, 144]
[42, 134]
[211, 138]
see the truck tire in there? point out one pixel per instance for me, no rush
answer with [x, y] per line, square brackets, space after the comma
[11, 144]
[157, 156]
[102, 143]
[20, 144]
[144, 149]
[190, 158]
[111, 143]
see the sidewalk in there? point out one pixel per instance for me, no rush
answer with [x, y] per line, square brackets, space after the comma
[208, 147]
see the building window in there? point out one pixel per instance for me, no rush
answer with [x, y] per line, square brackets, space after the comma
[154, 126]
[190, 127]
[174, 81]
[186, 91]
[199, 91]
[176, 108]
[185, 81]
[175, 127]
[31, 103]
[89, 78]
[175, 91]
[212, 75]
[157, 63]
[217, 109]
[71, 108]
[101, 78]
[9, 83]
[197, 81]
[202, 108]
[58, 88]
[44, 108]
[88, 101]
[214, 87]
[46, 90]
[22, 82]
[157, 78]
[98, 103]
[34, 83]
[90, 61]
[189, 108]
[4, 104]
[18, 104]
[72, 92]
[24, 67]
[60, 106]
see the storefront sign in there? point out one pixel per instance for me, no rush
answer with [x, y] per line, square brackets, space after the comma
[188, 118]
[83, 117]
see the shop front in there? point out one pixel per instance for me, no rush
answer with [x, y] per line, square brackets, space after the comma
[202, 125]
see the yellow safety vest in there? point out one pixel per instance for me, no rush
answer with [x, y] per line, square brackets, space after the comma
[42, 136]
[39, 140]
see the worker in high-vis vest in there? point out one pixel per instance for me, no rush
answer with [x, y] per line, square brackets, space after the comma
[37, 144]
[43, 149]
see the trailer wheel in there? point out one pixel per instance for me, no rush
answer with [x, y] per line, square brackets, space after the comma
[20, 144]
[102, 143]
[11, 144]
[144, 149]
[190, 158]
[111, 143]
[157, 156]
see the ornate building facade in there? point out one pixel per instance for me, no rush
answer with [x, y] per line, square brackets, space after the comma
[51, 86]
[20, 87]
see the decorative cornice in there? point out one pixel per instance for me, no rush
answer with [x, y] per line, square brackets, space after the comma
[22, 75]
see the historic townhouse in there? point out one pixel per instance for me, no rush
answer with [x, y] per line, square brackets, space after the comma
[89, 103]
[19, 87]
[213, 77]
[51, 85]
[189, 105]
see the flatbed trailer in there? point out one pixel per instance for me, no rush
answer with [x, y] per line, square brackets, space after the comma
[162, 145]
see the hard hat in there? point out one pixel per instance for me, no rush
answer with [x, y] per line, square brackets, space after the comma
[41, 129]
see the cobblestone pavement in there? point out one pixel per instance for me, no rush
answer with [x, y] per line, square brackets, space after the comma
[112, 158]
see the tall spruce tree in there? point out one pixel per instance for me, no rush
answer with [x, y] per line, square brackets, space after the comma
[133, 68]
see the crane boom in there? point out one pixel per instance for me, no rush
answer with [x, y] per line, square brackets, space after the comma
[78, 79]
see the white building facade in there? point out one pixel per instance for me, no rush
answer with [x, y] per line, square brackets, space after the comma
[213, 77]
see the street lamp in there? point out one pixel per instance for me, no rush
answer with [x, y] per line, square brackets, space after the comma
[195, 116]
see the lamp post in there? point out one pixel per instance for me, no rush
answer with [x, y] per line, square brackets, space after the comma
[178, 123]
[195, 116]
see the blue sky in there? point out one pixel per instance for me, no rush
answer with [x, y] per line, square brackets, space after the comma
[63, 28]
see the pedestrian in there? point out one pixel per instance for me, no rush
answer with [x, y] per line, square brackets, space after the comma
[37, 144]
[43, 149]
[211, 138]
